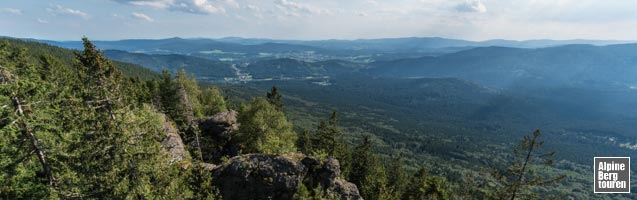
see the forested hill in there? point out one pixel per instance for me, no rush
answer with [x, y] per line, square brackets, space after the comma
[74, 126]
[67, 56]
[204, 68]
[607, 67]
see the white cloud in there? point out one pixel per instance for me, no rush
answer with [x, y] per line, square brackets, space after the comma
[11, 11]
[59, 10]
[205, 7]
[41, 21]
[317, 19]
[142, 16]
[471, 6]
[190, 6]
[154, 4]
[292, 8]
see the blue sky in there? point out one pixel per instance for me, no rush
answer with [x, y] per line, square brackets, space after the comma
[320, 19]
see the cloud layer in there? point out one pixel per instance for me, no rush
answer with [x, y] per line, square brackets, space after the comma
[323, 19]
[191, 6]
[60, 10]
[472, 6]
[11, 11]
[142, 16]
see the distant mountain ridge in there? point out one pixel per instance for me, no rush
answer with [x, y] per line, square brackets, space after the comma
[384, 44]
[582, 65]
[175, 62]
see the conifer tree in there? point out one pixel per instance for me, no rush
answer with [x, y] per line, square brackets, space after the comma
[99, 147]
[119, 154]
[181, 100]
[517, 180]
[188, 93]
[424, 186]
[396, 176]
[327, 134]
[368, 173]
[304, 142]
[26, 125]
[274, 97]
[363, 161]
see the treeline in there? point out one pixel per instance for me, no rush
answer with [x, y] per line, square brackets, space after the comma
[79, 128]
[85, 131]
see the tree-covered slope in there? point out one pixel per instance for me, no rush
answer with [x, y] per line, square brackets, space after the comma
[297, 69]
[572, 65]
[66, 56]
[74, 127]
[203, 68]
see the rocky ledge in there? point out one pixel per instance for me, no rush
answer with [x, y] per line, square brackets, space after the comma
[259, 176]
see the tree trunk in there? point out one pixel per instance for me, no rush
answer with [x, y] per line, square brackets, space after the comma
[34, 141]
[526, 162]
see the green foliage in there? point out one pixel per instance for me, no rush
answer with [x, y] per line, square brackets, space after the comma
[519, 179]
[173, 63]
[363, 162]
[424, 186]
[396, 176]
[302, 193]
[147, 174]
[327, 134]
[189, 93]
[274, 97]
[71, 132]
[375, 186]
[367, 171]
[183, 100]
[119, 151]
[78, 128]
[212, 101]
[200, 180]
[264, 129]
[27, 140]
[304, 142]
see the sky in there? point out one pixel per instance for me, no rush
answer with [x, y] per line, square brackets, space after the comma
[319, 19]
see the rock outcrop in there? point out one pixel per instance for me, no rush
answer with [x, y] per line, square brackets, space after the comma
[259, 176]
[216, 133]
[173, 143]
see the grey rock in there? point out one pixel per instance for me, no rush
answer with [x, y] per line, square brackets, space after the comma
[217, 132]
[259, 176]
[173, 143]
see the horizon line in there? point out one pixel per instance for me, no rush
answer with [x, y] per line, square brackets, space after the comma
[332, 39]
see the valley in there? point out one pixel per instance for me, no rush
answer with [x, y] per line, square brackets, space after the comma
[318, 100]
[452, 112]
[511, 88]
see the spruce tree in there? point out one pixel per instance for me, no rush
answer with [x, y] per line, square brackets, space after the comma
[28, 128]
[368, 173]
[424, 186]
[119, 154]
[304, 142]
[327, 134]
[521, 176]
[396, 176]
[275, 98]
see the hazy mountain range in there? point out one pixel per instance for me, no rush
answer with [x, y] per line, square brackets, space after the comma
[430, 98]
